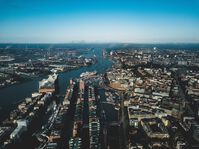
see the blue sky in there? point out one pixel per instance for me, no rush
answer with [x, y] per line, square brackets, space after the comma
[136, 21]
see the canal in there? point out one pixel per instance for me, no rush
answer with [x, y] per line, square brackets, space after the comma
[9, 96]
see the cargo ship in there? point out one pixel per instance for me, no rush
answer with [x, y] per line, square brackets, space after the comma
[88, 74]
[49, 84]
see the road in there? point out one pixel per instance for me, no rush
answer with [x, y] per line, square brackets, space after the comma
[123, 122]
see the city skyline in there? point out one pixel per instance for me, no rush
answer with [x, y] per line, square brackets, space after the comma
[99, 21]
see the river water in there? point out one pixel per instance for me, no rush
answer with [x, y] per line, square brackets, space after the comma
[9, 96]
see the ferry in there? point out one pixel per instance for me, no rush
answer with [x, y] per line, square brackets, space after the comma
[88, 74]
